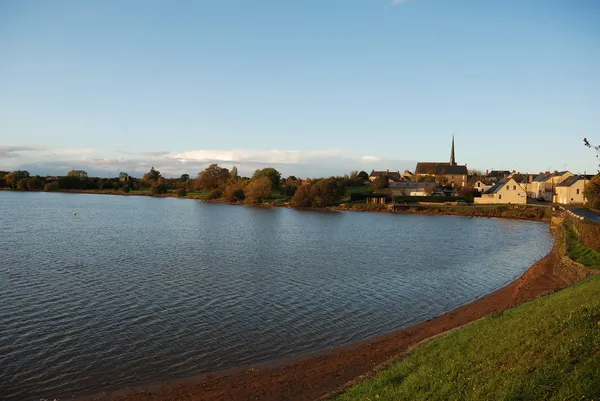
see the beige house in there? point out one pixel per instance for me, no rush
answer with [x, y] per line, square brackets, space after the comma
[408, 188]
[506, 190]
[392, 176]
[570, 191]
[481, 186]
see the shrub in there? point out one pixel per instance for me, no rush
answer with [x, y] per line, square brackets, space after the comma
[258, 190]
[51, 187]
[181, 192]
[215, 194]
[115, 186]
[126, 189]
[158, 189]
[234, 194]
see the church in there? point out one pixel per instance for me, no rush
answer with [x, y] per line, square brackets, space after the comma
[454, 173]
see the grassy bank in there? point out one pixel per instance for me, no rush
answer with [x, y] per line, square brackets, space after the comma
[526, 212]
[576, 251]
[543, 349]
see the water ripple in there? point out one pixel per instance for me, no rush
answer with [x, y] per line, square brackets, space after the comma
[138, 290]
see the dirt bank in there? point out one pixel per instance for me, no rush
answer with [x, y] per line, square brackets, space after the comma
[317, 375]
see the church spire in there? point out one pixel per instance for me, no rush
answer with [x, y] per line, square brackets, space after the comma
[452, 161]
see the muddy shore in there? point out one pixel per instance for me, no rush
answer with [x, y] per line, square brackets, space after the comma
[319, 375]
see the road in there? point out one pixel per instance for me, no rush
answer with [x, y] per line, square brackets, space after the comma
[585, 213]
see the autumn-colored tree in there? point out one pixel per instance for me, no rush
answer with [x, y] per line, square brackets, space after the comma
[212, 177]
[35, 184]
[22, 184]
[233, 193]
[78, 173]
[258, 190]
[233, 176]
[592, 192]
[302, 196]
[13, 178]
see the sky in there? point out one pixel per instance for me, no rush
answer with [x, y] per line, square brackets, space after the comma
[311, 87]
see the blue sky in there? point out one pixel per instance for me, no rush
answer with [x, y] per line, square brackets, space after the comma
[312, 87]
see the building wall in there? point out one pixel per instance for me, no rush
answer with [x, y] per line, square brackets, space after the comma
[481, 187]
[511, 192]
[570, 195]
[458, 180]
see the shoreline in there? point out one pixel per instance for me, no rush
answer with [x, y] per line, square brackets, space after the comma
[324, 373]
[418, 209]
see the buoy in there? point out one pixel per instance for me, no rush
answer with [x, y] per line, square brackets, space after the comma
[74, 213]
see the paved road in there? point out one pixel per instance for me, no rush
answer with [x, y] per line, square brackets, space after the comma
[587, 214]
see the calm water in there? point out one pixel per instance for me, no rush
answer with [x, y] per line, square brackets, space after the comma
[136, 290]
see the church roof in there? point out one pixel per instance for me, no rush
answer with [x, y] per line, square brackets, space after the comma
[439, 168]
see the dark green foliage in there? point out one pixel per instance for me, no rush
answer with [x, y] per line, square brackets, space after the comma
[234, 194]
[158, 189]
[272, 174]
[126, 189]
[69, 182]
[51, 187]
[214, 194]
[379, 183]
[35, 183]
[181, 192]
[319, 193]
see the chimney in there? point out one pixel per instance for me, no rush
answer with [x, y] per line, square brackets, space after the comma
[487, 172]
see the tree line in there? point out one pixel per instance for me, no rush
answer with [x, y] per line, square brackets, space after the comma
[218, 183]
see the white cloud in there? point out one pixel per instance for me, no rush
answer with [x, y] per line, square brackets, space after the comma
[311, 163]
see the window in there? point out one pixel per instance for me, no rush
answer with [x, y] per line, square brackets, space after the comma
[500, 196]
[515, 187]
[479, 186]
[577, 192]
[508, 187]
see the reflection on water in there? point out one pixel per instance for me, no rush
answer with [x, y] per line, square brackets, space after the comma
[135, 289]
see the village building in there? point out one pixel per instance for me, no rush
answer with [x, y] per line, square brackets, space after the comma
[408, 188]
[455, 174]
[570, 191]
[408, 176]
[507, 190]
[481, 186]
[392, 176]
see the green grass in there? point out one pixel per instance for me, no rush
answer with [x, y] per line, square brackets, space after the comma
[546, 349]
[576, 251]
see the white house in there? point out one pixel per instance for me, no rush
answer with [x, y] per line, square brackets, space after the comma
[506, 190]
[570, 191]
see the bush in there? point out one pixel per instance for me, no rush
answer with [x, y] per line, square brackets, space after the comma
[181, 192]
[51, 187]
[115, 186]
[214, 194]
[126, 189]
[259, 190]
[158, 189]
[234, 194]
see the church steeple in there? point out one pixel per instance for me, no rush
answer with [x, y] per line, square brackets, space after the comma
[452, 161]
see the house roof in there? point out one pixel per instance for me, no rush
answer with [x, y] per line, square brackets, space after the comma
[572, 180]
[541, 178]
[498, 173]
[393, 175]
[408, 184]
[438, 168]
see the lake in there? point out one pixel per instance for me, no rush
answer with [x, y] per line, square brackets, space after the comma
[136, 290]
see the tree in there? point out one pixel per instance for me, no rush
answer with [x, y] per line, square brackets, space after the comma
[259, 189]
[181, 192]
[592, 192]
[13, 178]
[22, 184]
[152, 176]
[596, 148]
[123, 176]
[214, 194]
[302, 196]
[77, 173]
[234, 193]
[35, 184]
[212, 177]
[379, 183]
[363, 175]
[272, 174]
[159, 188]
[233, 176]
[184, 177]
